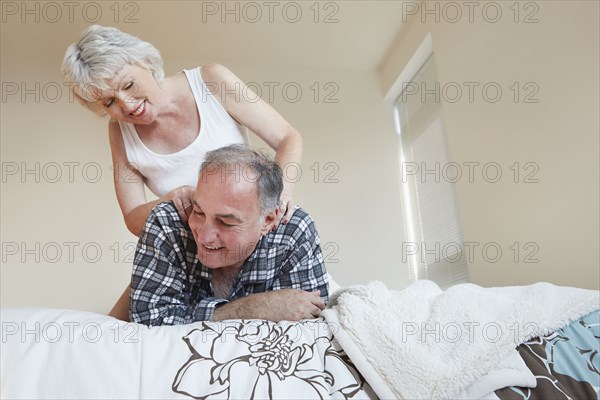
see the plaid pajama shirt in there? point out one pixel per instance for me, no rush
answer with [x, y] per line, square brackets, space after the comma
[170, 286]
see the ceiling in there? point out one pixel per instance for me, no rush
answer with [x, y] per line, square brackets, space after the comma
[307, 34]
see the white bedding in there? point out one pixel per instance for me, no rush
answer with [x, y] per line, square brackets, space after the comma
[422, 343]
[70, 354]
[81, 355]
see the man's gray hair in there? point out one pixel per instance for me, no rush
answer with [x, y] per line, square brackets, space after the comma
[237, 159]
[100, 53]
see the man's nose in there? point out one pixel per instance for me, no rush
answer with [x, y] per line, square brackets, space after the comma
[206, 232]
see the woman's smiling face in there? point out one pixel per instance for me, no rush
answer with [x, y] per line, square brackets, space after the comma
[134, 97]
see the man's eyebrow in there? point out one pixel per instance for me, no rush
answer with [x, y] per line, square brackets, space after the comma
[229, 216]
[222, 216]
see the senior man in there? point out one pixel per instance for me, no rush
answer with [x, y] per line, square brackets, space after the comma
[227, 262]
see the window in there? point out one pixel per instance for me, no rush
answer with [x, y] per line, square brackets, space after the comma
[434, 248]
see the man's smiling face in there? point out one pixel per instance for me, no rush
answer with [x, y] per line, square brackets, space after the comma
[226, 220]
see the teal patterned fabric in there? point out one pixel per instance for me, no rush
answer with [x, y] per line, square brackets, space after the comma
[566, 363]
[574, 350]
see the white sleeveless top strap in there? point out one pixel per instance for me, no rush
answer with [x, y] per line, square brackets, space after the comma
[165, 172]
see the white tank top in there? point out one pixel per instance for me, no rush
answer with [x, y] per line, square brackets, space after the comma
[165, 172]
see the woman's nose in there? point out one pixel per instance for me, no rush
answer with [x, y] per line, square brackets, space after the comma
[127, 103]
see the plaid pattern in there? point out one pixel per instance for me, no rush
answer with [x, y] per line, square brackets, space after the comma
[169, 285]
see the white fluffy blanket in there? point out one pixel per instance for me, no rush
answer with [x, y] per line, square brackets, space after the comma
[425, 343]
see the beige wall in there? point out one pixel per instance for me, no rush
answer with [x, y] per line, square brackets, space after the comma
[557, 216]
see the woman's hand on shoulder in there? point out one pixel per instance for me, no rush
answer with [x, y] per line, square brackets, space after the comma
[286, 208]
[182, 197]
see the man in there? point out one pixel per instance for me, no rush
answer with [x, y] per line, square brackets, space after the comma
[229, 263]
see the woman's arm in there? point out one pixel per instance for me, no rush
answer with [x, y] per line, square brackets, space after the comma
[129, 187]
[131, 195]
[260, 118]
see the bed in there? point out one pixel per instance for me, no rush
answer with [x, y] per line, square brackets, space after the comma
[57, 354]
[47, 353]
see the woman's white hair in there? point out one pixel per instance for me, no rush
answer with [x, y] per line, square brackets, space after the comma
[100, 53]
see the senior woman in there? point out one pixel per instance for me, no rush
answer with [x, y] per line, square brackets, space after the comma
[160, 128]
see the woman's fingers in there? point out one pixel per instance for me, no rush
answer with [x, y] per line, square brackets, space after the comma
[289, 211]
[280, 215]
[286, 209]
[187, 209]
[183, 197]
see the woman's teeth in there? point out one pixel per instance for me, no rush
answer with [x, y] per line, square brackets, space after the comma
[140, 109]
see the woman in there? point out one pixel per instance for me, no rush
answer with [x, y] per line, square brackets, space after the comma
[160, 128]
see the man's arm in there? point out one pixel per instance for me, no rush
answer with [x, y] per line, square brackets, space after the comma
[303, 267]
[278, 305]
[301, 288]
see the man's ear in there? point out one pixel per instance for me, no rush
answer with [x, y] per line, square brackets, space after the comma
[269, 221]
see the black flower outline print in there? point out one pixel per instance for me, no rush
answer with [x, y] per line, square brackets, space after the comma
[258, 359]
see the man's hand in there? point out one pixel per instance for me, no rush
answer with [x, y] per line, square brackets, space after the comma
[278, 305]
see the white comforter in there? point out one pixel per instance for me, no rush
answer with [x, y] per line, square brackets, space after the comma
[422, 343]
[64, 354]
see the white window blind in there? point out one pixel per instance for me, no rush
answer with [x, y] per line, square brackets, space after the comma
[435, 246]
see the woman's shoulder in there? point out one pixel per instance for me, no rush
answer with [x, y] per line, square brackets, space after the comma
[215, 72]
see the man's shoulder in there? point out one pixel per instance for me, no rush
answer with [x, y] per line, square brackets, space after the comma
[165, 214]
[299, 228]
[165, 229]
[165, 218]
[300, 217]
